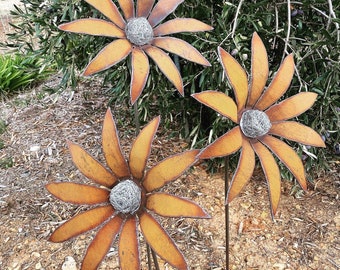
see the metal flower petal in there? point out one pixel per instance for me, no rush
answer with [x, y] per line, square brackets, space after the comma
[259, 70]
[167, 66]
[272, 173]
[141, 148]
[291, 107]
[160, 242]
[169, 169]
[78, 193]
[113, 53]
[243, 172]
[225, 145]
[140, 72]
[181, 48]
[236, 76]
[168, 205]
[101, 243]
[95, 27]
[161, 10]
[297, 132]
[279, 85]
[288, 156]
[129, 246]
[110, 10]
[111, 147]
[219, 102]
[81, 223]
[90, 167]
[179, 25]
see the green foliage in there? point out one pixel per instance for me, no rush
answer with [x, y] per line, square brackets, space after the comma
[305, 29]
[19, 71]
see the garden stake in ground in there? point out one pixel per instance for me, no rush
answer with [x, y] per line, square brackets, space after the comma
[125, 198]
[140, 34]
[259, 121]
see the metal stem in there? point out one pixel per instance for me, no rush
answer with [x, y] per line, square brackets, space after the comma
[226, 211]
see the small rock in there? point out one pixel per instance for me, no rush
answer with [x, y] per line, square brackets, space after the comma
[35, 254]
[69, 264]
[38, 266]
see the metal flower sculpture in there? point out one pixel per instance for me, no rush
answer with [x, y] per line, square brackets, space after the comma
[259, 121]
[124, 198]
[140, 35]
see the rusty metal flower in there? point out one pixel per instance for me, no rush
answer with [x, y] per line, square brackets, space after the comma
[140, 34]
[125, 197]
[259, 121]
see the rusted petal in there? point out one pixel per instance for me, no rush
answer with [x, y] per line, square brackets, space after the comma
[243, 172]
[169, 169]
[160, 242]
[225, 145]
[111, 147]
[101, 244]
[259, 70]
[219, 102]
[140, 72]
[82, 223]
[297, 132]
[95, 27]
[109, 9]
[78, 193]
[167, 66]
[144, 7]
[181, 48]
[90, 167]
[272, 173]
[236, 76]
[179, 25]
[291, 107]
[127, 7]
[288, 156]
[172, 206]
[161, 10]
[279, 84]
[113, 53]
[129, 246]
[141, 148]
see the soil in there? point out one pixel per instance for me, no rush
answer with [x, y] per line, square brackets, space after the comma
[303, 236]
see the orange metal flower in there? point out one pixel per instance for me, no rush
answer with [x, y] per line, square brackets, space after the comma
[259, 120]
[124, 198]
[140, 34]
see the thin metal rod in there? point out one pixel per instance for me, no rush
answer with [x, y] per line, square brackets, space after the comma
[136, 113]
[149, 257]
[155, 261]
[226, 211]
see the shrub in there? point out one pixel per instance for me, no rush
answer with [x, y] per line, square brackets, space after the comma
[19, 71]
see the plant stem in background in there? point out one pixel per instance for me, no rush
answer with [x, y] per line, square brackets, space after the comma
[226, 211]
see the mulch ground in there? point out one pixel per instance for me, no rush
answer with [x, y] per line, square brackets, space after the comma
[304, 235]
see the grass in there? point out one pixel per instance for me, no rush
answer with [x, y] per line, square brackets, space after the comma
[18, 72]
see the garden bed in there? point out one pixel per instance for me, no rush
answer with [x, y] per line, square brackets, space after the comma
[303, 236]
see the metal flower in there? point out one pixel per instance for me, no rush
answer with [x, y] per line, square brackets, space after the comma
[140, 35]
[259, 121]
[125, 197]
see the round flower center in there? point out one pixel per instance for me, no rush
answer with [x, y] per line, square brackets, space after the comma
[125, 197]
[139, 31]
[255, 123]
